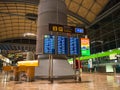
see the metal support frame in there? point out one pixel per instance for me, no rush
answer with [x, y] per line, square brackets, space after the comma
[34, 2]
[77, 71]
[13, 46]
[105, 14]
[13, 14]
[51, 68]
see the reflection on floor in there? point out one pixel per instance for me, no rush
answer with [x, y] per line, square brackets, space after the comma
[89, 82]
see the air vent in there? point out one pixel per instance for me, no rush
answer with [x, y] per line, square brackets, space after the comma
[31, 16]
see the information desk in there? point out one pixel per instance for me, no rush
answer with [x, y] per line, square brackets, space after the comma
[28, 67]
[28, 70]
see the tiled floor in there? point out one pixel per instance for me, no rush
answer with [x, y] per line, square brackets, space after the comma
[89, 82]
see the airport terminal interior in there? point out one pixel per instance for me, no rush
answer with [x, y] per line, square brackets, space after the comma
[59, 44]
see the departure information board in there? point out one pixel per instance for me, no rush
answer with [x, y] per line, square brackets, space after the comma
[49, 44]
[74, 46]
[62, 43]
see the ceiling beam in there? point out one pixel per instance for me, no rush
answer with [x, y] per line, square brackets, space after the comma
[35, 2]
[105, 14]
[14, 14]
[69, 13]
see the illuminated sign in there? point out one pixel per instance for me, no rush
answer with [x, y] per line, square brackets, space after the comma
[66, 29]
[49, 44]
[79, 30]
[62, 45]
[56, 28]
[113, 56]
[90, 63]
[74, 46]
[85, 47]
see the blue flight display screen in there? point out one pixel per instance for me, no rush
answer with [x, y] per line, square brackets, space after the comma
[62, 45]
[74, 46]
[79, 30]
[49, 44]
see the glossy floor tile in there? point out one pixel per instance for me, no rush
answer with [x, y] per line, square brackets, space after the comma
[89, 82]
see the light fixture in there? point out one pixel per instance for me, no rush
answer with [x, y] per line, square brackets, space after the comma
[116, 61]
[102, 52]
[29, 34]
[98, 41]
[110, 50]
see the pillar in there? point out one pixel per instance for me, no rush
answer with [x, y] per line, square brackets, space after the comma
[49, 11]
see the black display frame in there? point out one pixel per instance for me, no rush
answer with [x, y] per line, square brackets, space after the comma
[65, 46]
[44, 43]
[77, 48]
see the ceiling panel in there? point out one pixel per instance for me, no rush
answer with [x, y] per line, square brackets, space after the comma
[82, 12]
[87, 3]
[90, 16]
[74, 7]
[77, 1]
[102, 2]
[95, 9]
[15, 19]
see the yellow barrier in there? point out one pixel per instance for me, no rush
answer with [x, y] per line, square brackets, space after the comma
[28, 63]
[7, 68]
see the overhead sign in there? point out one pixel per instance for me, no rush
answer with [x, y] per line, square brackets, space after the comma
[62, 43]
[74, 46]
[85, 47]
[66, 29]
[90, 63]
[79, 30]
[49, 44]
[56, 28]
